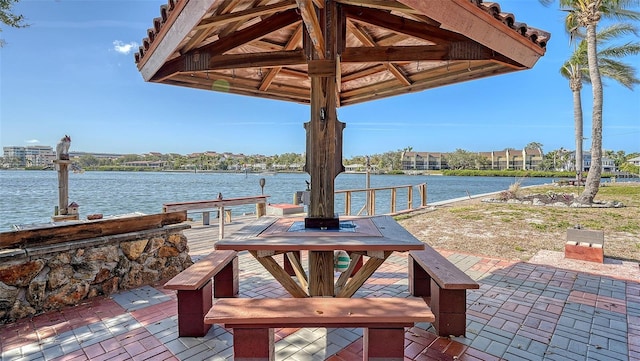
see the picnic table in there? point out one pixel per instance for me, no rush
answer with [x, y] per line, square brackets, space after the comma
[376, 237]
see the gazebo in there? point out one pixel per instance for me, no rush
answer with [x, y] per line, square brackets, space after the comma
[332, 53]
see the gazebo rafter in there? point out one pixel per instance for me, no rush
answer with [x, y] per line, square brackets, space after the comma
[332, 53]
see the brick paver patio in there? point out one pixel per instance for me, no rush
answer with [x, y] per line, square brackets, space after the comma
[522, 311]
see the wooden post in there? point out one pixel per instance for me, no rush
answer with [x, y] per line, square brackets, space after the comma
[324, 131]
[62, 166]
[321, 264]
[220, 223]
[261, 209]
[63, 185]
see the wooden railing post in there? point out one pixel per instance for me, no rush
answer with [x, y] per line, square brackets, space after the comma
[347, 203]
[394, 193]
[370, 199]
[423, 194]
[372, 203]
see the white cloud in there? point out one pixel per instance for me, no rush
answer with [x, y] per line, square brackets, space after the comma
[32, 141]
[123, 48]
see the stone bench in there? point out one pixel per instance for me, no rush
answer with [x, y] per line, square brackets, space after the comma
[383, 320]
[195, 290]
[432, 275]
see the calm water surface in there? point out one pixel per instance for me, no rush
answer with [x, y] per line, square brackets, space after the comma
[30, 196]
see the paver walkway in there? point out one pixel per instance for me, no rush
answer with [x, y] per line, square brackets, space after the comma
[522, 311]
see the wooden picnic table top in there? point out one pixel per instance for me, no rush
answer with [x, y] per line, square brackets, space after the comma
[378, 233]
[376, 237]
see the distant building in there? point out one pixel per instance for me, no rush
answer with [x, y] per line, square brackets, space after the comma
[111, 156]
[146, 164]
[635, 161]
[423, 161]
[505, 159]
[29, 156]
[608, 164]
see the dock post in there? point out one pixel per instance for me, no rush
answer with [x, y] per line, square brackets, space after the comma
[63, 192]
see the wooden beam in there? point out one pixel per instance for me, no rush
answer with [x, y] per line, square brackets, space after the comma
[465, 17]
[367, 40]
[236, 85]
[280, 275]
[312, 24]
[450, 52]
[401, 25]
[257, 60]
[324, 130]
[89, 229]
[246, 14]
[241, 37]
[292, 43]
[225, 7]
[387, 5]
[182, 19]
[445, 75]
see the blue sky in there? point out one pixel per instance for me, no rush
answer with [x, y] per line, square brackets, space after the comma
[72, 72]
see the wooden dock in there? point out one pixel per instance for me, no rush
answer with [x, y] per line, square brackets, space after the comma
[202, 238]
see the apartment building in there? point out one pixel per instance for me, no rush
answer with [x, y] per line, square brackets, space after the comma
[505, 159]
[29, 156]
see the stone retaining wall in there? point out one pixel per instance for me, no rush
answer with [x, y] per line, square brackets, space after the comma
[42, 278]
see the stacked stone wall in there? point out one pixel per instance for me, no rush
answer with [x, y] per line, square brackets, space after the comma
[38, 279]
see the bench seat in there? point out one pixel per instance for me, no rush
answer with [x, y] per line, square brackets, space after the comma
[195, 289]
[384, 320]
[433, 275]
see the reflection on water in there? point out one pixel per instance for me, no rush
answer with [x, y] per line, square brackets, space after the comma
[30, 196]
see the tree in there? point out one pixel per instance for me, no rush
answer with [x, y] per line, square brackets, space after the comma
[576, 70]
[462, 159]
[585, 15]
[9, 18]
[535, 146]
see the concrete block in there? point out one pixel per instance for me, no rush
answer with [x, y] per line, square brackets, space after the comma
[284, 209]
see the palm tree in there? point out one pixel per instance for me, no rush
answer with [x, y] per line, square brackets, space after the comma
[586, 14]
[576, 70]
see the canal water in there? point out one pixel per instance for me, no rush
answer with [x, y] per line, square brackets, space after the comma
[28, 197]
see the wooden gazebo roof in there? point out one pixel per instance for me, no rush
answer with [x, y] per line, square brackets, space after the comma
[331, 53]
[383, 47]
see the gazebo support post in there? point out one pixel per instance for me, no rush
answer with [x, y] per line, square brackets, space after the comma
[324, 130]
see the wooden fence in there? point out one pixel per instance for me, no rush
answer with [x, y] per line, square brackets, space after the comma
[370, 204]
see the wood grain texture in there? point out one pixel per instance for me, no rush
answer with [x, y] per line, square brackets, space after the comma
[362, 275]
[280, 275]
[321, 273]
[201, 272]
[293, 312]
[88, 229]
[442, 271]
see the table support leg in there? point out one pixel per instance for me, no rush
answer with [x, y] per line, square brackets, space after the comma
[383, 344]
[288, 267]
[321, 273]
[226, 282]
[254, 344]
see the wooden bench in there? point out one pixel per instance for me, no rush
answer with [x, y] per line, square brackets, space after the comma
[195, 290]
[432, 275]
[383, 320]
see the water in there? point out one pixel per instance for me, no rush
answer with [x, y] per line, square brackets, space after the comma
[30, 196]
